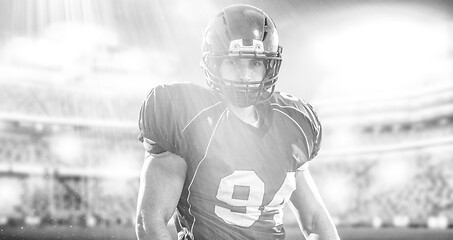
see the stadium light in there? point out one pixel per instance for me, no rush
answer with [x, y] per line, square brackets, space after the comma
[440, 222]
[376, 222]
[3, 220]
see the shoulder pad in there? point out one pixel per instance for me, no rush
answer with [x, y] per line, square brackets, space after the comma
[286, 100]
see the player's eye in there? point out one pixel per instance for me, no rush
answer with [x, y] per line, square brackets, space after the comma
[256, 63]
[229, 62]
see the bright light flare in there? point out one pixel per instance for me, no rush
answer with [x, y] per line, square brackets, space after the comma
[66, 147]
[120, 168]
[373, 49]
[60, 45]
[115, 187]
[391, 173]
[121, 165]
[390, 44]
[337, 191]
[11, 192]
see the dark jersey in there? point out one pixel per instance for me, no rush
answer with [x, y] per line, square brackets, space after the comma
[238, 176]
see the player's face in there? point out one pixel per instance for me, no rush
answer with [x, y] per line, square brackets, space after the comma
[242, 70]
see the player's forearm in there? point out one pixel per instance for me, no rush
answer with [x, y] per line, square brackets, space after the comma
[156, 230]
[323, 228]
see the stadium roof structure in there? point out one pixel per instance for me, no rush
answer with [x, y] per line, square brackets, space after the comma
[412, 106]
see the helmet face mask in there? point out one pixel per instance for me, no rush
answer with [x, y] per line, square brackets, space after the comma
[241, 32]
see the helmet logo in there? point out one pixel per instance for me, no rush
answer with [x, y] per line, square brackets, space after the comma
[245, 45]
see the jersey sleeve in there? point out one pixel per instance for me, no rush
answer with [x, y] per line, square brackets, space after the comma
[304, 114]
[316, 128]
[316, 132]
[158, 122]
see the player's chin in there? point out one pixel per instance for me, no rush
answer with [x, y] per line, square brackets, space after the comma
[243, 98]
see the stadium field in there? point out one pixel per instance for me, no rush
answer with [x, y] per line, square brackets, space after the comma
[104, 233]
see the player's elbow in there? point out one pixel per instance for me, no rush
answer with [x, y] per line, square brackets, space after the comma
[321, 224]
[140, 231]
[151, 227]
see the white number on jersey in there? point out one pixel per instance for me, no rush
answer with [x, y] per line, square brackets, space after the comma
[249, 182]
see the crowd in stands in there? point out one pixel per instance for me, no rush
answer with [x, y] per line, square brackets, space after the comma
[24, 150]
[61, 102]
[75, 201]
[388, 135]
[421, 189]
[424, 192]
[90, 188]
[74, 189]
[408, 131]
[404, 172]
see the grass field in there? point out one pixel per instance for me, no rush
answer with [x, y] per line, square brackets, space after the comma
[72, 233]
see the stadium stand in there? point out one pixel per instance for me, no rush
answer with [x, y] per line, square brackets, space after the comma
[73, 159]
[60, 101]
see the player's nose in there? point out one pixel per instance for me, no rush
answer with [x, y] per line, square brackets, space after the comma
[245, 73]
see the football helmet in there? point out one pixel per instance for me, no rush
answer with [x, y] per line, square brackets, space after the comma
[245, 32]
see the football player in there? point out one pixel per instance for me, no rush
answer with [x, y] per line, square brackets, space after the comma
[229, 157]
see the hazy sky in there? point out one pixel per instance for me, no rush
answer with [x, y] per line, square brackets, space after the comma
[332, 49]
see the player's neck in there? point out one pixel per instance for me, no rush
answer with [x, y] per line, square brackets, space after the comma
[247, 114]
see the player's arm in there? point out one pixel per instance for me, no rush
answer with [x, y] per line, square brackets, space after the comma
[311, 213]
[161, 183]
[164, 171]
